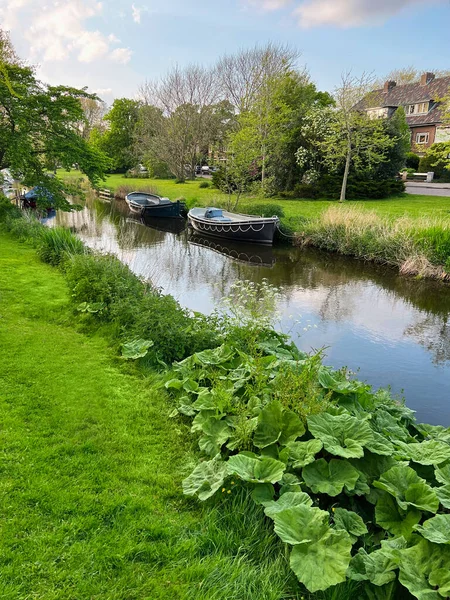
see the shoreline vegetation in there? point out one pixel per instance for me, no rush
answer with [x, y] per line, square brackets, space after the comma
[314, 486]
[411, 233]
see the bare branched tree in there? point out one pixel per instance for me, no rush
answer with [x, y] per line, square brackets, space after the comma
[242, 75]
[94, 111]
[405, 75]
[186, 98]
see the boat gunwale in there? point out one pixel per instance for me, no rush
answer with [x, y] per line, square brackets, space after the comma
[249, 219]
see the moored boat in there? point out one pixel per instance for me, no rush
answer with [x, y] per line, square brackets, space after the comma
[233, 226]
[151, 205]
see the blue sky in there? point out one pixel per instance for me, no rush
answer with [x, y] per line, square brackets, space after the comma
[112, 46]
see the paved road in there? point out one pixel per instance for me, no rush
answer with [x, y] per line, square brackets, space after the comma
[428, 190]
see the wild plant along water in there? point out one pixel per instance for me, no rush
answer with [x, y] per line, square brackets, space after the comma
[357, 489]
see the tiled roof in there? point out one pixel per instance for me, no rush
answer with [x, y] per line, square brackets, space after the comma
[411, 93]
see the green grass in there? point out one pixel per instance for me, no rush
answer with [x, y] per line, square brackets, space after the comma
[91, 470]
[406, 205]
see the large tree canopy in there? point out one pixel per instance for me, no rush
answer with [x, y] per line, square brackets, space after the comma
[39, 128]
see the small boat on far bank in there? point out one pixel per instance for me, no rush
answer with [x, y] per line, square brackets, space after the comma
[233, 226]
[151, 205]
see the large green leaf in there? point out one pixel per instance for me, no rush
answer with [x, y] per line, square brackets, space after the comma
[256, 469]
[434, 432]
[263, 493]
[206, 478]
[322, 563]
[276, 424]
[442, 474]
[216, 434]
[436, 530]
[136, 348]
[350, 522]
[330, 382]
[395, 520]
[424, 570]
[330, 478]
[389, 426]
[443, 493]
[300, 524]
[408, 489]
[378, 567]
[342, 435]
[287, 500]
[303, 453]
[432, 452]
[380, 445]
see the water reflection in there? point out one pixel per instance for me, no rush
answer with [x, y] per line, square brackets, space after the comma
[394, 330]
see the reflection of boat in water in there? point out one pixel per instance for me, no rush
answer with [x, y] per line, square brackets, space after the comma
[169, 225]
[233, 226]
[247, 253]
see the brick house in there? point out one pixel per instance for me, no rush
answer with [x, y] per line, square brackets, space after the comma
[422, 105]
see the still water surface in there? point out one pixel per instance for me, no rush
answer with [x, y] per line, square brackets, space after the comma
[392, 330]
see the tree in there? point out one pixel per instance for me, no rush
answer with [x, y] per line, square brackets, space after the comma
[398, 130]
[241, 76]
[39, 129]
[118, 140]
[353, 138]
[191, 115]
[405, 75]
[94, 111]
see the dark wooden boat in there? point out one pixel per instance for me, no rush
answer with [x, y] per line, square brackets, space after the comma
[220, 223]
[151, 205]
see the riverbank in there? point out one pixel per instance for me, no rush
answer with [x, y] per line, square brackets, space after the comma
[92, 467]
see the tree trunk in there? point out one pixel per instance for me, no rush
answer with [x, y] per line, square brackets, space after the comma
[346, 171]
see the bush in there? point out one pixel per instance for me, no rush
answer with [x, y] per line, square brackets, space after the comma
[263, 210]
[137, 309]
[412, 161]
[427, 164]
[26, 228]
[204, 184]
[57, 244]
[359, 189]
[102, 279]
[305, 190]
[8, 209]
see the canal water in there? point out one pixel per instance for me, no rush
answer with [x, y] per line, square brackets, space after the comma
[392, 331]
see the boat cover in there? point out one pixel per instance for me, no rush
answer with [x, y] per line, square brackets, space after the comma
[216, 214]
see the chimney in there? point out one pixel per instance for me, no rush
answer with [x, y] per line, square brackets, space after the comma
[389, 85]
[427, 78]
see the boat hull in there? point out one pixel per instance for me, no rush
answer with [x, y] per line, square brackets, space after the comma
[164, 211]
[245, 231]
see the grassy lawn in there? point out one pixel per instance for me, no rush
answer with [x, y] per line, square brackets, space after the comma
[91, 494]
[406, 205]
[91, 468]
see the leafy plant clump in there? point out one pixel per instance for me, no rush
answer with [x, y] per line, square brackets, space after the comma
[352, 484]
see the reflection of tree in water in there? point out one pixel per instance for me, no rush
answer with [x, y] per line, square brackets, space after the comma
[433, 333]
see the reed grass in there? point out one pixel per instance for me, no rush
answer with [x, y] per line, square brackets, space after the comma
[417, 246]
[122, 190]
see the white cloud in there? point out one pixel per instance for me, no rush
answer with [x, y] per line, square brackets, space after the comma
[103, 92]
[341, 13]
[121, 55]
[58, 30]
[136, 13]
[269, 4]
[350, 13]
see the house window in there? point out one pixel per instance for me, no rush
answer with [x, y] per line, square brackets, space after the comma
[422, 138]
[417, 109]
[422, 108]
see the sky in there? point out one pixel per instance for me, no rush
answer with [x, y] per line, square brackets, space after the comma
[112, 46]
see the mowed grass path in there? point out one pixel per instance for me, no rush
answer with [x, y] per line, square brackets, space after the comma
[405, 205]
[90, 466]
